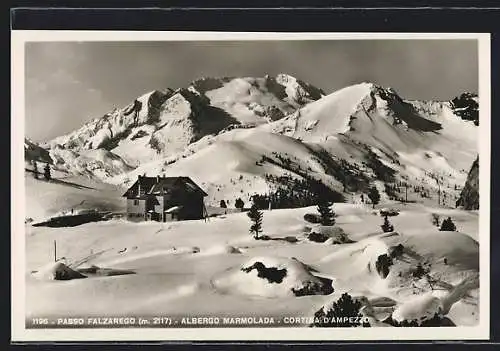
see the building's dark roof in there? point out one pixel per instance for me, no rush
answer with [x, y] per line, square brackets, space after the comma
[155, 185]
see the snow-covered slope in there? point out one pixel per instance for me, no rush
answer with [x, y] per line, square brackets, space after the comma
[184, 269]
[61, 195]
[375, 116]
[325, 117]
[417, 140]
[237, 164]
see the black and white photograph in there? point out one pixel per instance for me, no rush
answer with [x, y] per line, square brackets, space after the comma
[198, 184]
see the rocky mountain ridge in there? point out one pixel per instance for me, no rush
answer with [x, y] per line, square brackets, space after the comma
[212, 130]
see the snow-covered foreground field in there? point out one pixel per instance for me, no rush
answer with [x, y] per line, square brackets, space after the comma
[194, 268]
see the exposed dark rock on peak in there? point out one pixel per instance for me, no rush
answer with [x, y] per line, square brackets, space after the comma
[469, 197]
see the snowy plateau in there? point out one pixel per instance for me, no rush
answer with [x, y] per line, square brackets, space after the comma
[271, 139]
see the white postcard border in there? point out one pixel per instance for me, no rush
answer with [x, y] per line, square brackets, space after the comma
[19, 331]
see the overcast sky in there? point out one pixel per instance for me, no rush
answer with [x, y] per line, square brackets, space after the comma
[70, 83]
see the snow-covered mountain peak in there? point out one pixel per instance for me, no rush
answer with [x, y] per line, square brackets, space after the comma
[204, 84]
[377, 90]
[370, 126]
[299, 90]
[161, 123]
[356, 108]
[327, 116]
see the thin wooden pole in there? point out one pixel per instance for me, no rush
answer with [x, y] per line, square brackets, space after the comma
[439, 194]
[205, 213]
[55, 251]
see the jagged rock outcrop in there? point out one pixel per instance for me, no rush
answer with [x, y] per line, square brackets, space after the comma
[466, 106]
[469, 197]
[33, 152]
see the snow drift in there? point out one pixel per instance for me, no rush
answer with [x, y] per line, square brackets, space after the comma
[419, 309]
[273, 277]
[57, 271]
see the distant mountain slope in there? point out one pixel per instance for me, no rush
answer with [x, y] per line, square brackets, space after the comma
[99, 163]
[257, 100]
[46, 199]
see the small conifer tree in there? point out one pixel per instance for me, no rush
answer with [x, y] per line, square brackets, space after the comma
[347, 307]
[325, 211]
[419, 271]
[239, 203]
[387, 226]
[223, 204]
[448, 225]
[256, 217]
[435, 219]
[35, 169]
[374, 196]
[46, 172]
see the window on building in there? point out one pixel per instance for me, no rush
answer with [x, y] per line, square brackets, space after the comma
[136, 202]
